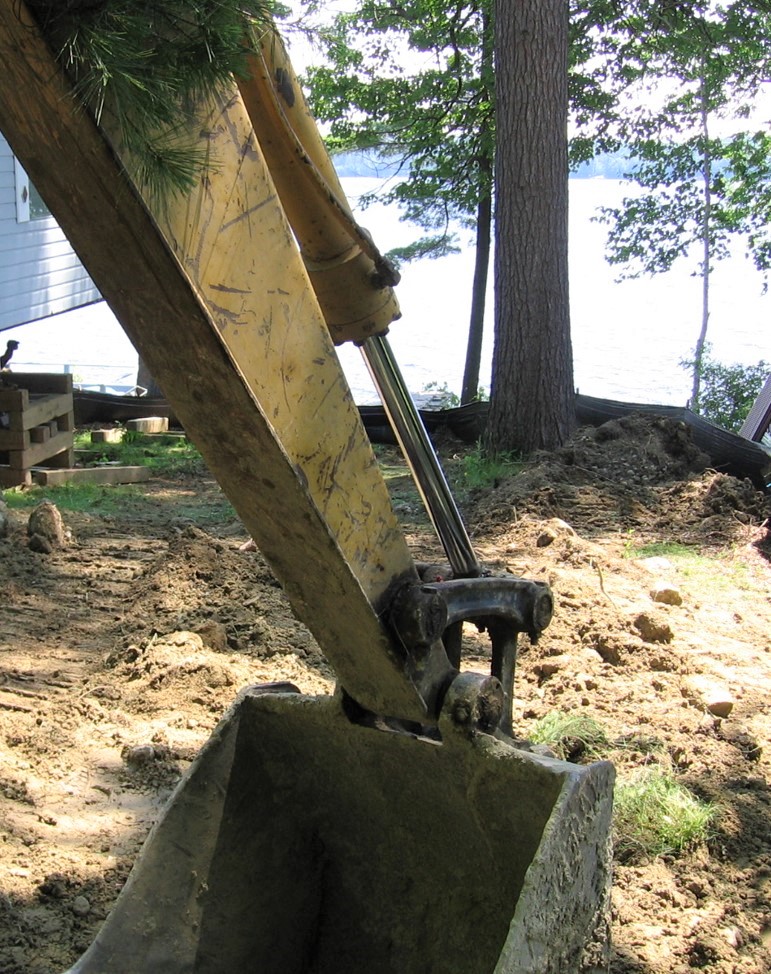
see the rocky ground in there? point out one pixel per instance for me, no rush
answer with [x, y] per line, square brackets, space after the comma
[121, 647]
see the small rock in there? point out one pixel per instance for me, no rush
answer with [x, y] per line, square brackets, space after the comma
[666, 594]
[554, 528]
[140, 755]
[214, 635]
[720, 708]
[712, 696]
[653, 629]
[46, 522]
[656, 565]
[81, 906]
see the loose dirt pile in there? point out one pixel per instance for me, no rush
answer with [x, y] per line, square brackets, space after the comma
[122, 646]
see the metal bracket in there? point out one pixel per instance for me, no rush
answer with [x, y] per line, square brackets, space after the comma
[421, 614]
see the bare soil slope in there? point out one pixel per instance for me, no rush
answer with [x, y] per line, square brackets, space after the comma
[120, 651]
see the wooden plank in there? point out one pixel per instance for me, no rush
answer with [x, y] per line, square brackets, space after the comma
[13, 400]
[40, 434]
[44, 408]
[36, 453]
[14, 440]
[113, 435]
[64, 458]
[10, 477]
[46, 477]
[148, 424]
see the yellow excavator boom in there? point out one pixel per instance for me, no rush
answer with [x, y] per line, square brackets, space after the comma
[393, 828]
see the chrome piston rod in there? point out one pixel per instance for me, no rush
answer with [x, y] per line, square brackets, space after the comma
[419, 453]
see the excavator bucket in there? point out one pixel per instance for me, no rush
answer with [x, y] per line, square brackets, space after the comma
[301, 842]
[394, 827]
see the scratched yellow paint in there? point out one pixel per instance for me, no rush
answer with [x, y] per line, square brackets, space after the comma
[232, 237]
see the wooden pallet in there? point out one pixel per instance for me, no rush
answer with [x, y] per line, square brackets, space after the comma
[37, 424]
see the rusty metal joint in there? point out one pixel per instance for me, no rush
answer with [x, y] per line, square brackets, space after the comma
[524, 605]
[473, 703]
[418, 616]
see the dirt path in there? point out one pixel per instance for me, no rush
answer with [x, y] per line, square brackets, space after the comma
[120, 651]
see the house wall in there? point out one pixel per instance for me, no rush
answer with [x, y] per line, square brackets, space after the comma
[39, 272]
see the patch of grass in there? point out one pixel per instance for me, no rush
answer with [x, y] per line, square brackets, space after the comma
[692, 563]
[95, 498]
[571, 736]
[655, 815]
[166, 455]
[660, 549]
[480, 470]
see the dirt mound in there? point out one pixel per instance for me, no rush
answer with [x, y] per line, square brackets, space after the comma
[121, 650]
[639, 473]
[229, 597]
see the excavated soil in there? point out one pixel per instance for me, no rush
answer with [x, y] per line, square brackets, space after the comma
[121, 648]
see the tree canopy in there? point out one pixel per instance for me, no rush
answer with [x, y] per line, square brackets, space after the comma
[684, 79]
[415, 82]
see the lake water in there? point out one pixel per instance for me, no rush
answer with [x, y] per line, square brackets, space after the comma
[628, 338]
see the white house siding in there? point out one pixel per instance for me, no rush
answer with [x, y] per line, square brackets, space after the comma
[39, 272]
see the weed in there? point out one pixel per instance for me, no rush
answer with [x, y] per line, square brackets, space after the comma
[571, 736]
[655, 815]
[480, 470]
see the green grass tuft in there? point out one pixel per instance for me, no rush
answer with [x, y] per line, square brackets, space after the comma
[654, 815]
[571, 736]
[480, 470]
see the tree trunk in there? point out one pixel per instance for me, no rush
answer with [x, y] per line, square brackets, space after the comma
[470, 389]
[706, 241]
[478, 298]
[533, 401]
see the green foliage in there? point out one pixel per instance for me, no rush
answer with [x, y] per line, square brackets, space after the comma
[727, 392]
[571, 736]
[678, 72]
[481, 470]
[166, 455]
[435, 118]
[82, 497]
[655, 815]
[659, 549]
[704, 572]
[145, 64]
[443, 391]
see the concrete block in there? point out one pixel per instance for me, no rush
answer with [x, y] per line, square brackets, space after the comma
[150, 424]
[113, 435]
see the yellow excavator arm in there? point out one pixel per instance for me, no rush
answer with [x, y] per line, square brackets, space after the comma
[394, 827]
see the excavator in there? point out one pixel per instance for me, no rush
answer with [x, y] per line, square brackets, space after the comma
[395, 826]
